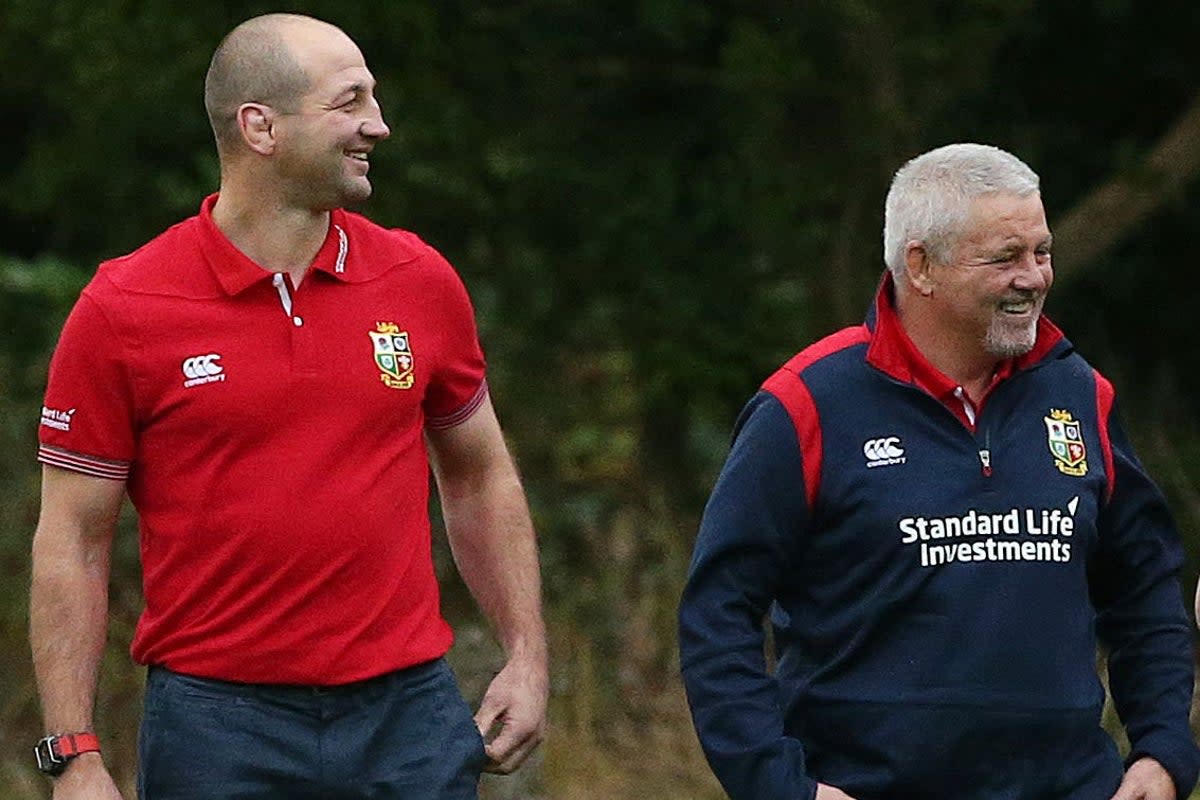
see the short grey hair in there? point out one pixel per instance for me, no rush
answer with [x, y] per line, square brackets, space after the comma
[930, 197]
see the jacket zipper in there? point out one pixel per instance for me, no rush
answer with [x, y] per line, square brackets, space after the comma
[985, 453]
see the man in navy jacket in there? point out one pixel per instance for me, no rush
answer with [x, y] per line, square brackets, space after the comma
[942, 517]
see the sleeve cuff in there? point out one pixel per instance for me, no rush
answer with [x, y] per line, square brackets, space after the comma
[1181, 760]
[88, 465]
[463, 413]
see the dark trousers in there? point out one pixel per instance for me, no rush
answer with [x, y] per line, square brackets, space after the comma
[406, 735]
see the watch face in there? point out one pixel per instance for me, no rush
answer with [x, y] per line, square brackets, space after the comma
[48, 759]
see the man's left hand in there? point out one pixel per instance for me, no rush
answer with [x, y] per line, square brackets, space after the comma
[515, 702]
[1146, 780]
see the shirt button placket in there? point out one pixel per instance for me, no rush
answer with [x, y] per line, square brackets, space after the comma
[304, 355]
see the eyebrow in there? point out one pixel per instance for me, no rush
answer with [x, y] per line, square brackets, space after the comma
[1015, 244]
[358, 87]
[1018, 242]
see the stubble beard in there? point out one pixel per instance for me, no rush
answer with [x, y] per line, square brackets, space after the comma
[354, 189]
[328, 187]
[1004, 339]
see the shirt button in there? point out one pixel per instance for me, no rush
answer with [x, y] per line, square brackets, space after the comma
[297, 321]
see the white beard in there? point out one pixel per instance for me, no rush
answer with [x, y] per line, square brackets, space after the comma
[1005, 340]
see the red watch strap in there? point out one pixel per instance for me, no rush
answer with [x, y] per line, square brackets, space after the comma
[70, 745]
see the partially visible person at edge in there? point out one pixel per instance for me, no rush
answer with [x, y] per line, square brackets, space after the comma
[942, 517]
[1197, 603]
[270, 381]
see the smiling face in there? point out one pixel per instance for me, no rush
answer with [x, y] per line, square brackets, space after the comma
[324, 143]
[989, 293]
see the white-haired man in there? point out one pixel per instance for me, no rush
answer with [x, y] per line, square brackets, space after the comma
[942, 516]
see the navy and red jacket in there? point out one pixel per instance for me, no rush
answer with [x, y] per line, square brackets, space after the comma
[937, 577]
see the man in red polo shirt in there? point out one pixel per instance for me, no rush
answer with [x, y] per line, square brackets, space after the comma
[270, 381]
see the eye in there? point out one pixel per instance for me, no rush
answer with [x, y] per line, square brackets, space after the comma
[350, 103]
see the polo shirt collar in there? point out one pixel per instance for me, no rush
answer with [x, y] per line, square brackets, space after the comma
[893, 352]
[236, 271]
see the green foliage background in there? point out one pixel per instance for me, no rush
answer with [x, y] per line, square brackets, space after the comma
[654, 202]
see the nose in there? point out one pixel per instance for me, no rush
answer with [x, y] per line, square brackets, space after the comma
[376, 128]
[1034, 274]
[373, 126]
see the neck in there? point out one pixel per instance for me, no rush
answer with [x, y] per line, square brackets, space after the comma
[965, 363]
[277, 237]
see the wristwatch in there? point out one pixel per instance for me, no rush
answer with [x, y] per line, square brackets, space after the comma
[54, 752]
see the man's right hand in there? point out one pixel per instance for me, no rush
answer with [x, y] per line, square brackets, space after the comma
[86, 779]
[825, 792]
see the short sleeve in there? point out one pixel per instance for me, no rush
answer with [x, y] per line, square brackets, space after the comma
[87, 414]
[458, 386]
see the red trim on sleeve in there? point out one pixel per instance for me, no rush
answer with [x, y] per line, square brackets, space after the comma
[789, 388]
[796, 398]
[461, 415]
[846, 337]
[1105, 396]
[88, 465]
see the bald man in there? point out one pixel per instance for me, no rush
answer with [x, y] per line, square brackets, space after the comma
[270, 382]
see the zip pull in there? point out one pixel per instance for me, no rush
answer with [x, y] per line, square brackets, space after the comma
[985, 458]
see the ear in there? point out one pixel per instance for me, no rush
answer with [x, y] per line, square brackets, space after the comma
[256, 123]
[918, 268]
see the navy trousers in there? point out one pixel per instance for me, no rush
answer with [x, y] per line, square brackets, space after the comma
[407, 735]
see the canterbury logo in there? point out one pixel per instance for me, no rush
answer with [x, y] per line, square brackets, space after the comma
[202, 369]
[884, 451]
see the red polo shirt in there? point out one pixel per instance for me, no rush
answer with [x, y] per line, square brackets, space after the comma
[272, 441]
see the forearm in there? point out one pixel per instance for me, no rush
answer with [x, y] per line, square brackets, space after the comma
[745, 551]
[491, 537]
[68, 613]
[736, 704]
[735, 709]
[1151, 675]
[1143, 620]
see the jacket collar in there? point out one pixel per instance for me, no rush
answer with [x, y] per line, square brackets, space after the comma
[893, 352]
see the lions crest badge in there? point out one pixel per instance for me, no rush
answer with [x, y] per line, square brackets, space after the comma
[1066, 443]
[393, 355]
